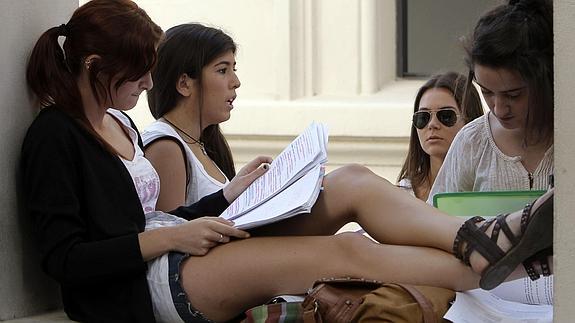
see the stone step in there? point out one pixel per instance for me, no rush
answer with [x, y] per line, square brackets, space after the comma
[51, 317]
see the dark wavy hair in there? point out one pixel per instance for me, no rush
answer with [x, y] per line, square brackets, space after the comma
[118, 31]
[417, 165]
[519, 36]
[187, 49]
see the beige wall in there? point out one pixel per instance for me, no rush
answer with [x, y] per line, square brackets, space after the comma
[565, 159]
[331, 61]
[24, 290]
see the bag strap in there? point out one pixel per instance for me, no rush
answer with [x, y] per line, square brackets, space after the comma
[310, 315]
[424, 303]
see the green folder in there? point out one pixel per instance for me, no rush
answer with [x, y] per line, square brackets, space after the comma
[484, 203]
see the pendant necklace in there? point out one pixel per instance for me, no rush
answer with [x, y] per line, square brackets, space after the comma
[193, 140]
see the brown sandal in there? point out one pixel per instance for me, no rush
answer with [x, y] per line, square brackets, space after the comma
[533, 243]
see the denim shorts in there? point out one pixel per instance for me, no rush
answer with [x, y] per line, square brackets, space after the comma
[183, 306]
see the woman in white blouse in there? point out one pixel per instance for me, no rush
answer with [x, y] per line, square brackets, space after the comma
[510, 57]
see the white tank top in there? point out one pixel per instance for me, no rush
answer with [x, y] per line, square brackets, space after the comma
[147, 184]
[199, 183]
[146, 180]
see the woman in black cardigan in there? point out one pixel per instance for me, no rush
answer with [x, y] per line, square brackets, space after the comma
[89, 190]
[88, 215]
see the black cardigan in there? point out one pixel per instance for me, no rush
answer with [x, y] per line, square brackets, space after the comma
[87, 216]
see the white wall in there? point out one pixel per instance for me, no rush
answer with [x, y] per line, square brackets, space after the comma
[24, 289]
[325, 60]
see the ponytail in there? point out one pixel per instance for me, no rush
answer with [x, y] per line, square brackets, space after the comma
[49, 77]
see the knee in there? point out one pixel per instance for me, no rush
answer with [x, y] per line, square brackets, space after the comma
[355, 170]
[355, 176]
[352, 243]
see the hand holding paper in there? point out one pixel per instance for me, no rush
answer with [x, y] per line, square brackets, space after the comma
[299, 163]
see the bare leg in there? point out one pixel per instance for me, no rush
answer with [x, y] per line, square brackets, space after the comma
[245, 273]
[355, 194]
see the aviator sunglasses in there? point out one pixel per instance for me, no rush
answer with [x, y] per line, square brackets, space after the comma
[448, 117]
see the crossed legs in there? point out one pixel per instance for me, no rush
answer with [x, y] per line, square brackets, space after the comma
[415, 243]
[355, 194]
[246, 273]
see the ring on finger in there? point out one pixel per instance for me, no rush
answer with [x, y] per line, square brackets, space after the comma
[221, 238]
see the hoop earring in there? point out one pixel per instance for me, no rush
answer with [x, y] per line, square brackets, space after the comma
[87, 63]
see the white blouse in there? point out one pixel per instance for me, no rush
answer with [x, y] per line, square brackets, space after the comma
[475, 163]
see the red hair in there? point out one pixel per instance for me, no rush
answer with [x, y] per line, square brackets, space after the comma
[118, 31]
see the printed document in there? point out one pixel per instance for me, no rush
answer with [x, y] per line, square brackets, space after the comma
[275, 196]
[521, 300]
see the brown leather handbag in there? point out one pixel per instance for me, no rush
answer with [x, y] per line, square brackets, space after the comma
[338, 300]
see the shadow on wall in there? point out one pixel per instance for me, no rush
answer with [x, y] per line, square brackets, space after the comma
[40, 292]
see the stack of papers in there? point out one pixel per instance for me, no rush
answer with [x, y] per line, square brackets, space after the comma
[291, 185]
[520, 300]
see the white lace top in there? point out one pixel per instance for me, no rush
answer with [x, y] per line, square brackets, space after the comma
[147, 183]
[145, 177]
[475, 163]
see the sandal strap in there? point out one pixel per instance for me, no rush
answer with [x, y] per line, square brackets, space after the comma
[528, 263]
[525, 217]
[461, 254]
[496, 228]
[545, 269]
[501, 223]
[541, 257]
[477, 240]
[469, 249]
[530, 269]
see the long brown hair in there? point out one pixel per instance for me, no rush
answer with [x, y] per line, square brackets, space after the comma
[118, 31]
[187, 49]
[417, 165]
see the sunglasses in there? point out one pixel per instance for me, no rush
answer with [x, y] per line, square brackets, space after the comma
[448, 117]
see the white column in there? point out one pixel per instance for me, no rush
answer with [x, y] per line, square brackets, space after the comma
[387, 40]
[369, 67]
[338, 47]
[293, 52]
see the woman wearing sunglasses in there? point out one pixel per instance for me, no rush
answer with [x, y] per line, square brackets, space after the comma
[510, 57]
[438, 116]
